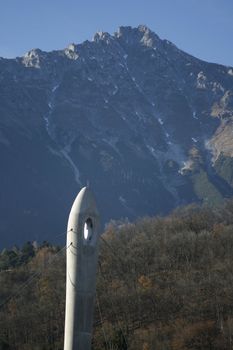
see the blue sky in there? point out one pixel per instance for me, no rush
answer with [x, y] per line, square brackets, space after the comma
[203, 28]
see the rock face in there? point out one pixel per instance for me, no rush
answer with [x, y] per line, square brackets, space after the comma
[149, 126]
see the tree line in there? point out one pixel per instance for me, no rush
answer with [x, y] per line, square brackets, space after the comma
[163, 283]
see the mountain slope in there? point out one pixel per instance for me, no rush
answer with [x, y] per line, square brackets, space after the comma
[148, 126]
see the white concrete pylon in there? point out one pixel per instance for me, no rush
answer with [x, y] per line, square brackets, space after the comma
[82, 254]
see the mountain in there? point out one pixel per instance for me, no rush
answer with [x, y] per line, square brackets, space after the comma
[146, 124]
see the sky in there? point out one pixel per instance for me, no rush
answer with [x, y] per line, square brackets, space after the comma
[203, 28]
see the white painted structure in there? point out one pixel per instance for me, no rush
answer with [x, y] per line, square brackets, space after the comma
[82, 254]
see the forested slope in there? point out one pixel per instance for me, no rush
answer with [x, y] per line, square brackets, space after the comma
[163, 283]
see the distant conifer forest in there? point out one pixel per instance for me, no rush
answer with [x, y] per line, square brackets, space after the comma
[163, 283]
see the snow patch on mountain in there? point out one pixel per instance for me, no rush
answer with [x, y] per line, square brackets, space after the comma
[195, 115]
[187, 166]
[152, 151]
[65, 153]
[51, 103]
[201, 80]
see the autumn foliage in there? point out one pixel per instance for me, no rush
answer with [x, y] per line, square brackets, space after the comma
[163, 283]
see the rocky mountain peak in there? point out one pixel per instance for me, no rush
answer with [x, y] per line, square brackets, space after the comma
[72, 51]
[140, 35]
[149, 125]
[102, 36]
[144, 29]
[33, 58]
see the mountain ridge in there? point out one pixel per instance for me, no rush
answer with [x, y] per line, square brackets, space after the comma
[147, 124]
